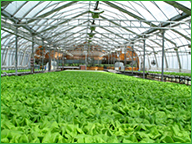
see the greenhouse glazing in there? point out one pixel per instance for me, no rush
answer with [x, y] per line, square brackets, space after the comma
[154, 30]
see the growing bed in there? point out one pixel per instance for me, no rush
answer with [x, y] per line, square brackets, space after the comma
[93, 107]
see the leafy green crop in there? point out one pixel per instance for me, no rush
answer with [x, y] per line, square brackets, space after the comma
[13, 71]
[93, 107]
[168, 73]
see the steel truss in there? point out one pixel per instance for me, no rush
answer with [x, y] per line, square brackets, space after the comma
[121, 23]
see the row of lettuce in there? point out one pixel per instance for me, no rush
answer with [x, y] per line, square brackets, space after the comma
[166, 73]
[155, 72]
[93, 107]
[19, 70]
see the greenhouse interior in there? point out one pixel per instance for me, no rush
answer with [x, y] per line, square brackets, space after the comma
[95, 71]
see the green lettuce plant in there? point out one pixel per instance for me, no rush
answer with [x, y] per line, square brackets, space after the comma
[93, 107]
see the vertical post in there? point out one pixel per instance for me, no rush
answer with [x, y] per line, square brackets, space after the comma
[132, 56]
[16, 48]
[125, 57]
[86, 60]
[108, 60]
[54, 59]
[111, 60]
[178, 58]
[4, 62]
[114, 60]
[32, 55]
[43, 54]
[117, 60]
[149, 62]
[144, 59]
[166, 62]
[162, 67]
[63, 61]
[22, 62]
[49, 59]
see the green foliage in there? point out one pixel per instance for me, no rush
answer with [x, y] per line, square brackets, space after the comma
[92, 28]
[91, 35]
[13, 71]
[96, 14]
[93, 107]
[173, 73]
[168, 73]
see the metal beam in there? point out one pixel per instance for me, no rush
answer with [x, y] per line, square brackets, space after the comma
[18, 8]
[114, 33]
[124, 11]
[22, 62]
[139, 35]
[16, 48]
[15, 21]
[155, 58]
[175, 18]
[143, 59]
[4, 62]
[55, 26]
[178, 58]
[108, 38]
[132, 56]
[64, 31]
[119, 25]
[4, 3]
[186, 37]
[166, 62]
[162, 66]
[52, 11]
[32, 55]
[179, 6]
[69, 35]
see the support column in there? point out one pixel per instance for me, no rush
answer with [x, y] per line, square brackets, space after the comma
[32, 55]
[86, 60]
[132, 56]
[54, 58]
[108, 60]
[167, 66]
[5, 57]
[162, 67]
[149, 62]
[49, 59]
[43, 55]
[144, 58]
[178, 58]
[16, 48]
[23, 58]
[29, 59]
[63, 61]
[155, 58]
[111, 60]
[125, 57]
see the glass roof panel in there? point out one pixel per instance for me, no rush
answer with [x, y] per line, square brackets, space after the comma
[185, 3]
[25, 9]
[149, 10]
[38, 8]
[169, 11]
[12, 7]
